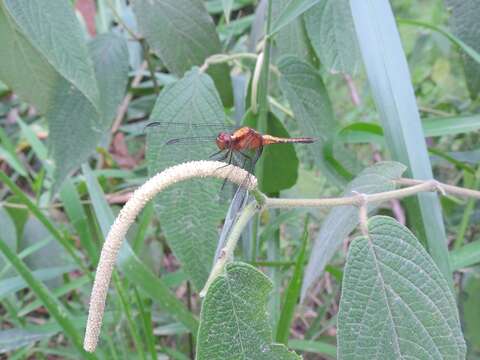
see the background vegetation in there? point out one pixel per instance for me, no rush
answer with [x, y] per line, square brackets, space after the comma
[81, 79]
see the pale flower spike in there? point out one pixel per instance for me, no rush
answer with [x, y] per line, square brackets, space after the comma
[118, 230]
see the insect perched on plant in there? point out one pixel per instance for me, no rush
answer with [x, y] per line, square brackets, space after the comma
[234, 145]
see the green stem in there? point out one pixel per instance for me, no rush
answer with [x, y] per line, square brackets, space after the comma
[262, 95]
[227, 252]
[467, 214]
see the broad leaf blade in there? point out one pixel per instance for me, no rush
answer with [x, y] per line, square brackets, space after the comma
[292, 39]
[42, 41]
[234, 323]
[291, 11]
[110, 57]
[392, 90]
[303, 86]
[183, 35]
[343, 219]
[189, 212]
[395, 301]
[330, 28]
[464, 21]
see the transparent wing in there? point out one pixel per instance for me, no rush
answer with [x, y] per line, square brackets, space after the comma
[174, 133]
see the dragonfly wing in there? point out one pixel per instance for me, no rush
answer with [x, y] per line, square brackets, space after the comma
[162, 125]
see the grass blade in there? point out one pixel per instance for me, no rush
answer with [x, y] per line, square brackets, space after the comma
[315, 347]
[44, 220]
[389, 78]
[292, 293]
[455, 40]
[54, 307]
[468, 255]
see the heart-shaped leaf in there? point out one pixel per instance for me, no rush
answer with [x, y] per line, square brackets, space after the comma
[395, 302]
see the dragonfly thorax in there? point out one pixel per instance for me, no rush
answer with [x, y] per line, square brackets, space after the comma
[224, 140]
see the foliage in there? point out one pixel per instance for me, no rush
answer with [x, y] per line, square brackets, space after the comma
[79, 82]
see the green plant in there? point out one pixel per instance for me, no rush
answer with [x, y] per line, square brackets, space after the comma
[285, 68]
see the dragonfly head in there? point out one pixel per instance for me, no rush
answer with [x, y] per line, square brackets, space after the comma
[224, 140]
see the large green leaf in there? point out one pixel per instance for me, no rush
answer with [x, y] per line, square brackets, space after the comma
[291, 39]
[110, 57]
[464, 21]
[233, 320]
[392, 90]
[291, 10]
[183, 35]
[302, 85]
[45, 60]
[395, 301]
[330, 28]
[343, 219]
[277, 159]
[189, 212]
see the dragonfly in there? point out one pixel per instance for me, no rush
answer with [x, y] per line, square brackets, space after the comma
[234, 145]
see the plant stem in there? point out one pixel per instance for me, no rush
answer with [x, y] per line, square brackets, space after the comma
[467, 214]
[151, 67]
[227, 252]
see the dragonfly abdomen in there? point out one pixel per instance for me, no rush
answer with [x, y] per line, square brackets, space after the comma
[268, 139]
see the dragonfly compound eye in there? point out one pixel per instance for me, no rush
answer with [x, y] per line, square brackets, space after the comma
[223, 140]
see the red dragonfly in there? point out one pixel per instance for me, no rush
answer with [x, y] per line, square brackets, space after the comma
[237, 143]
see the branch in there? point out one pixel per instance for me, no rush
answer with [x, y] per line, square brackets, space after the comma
[127, 216]
[237, 175]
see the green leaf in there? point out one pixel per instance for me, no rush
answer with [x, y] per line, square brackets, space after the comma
[34, 232]
[471, 312]
[464, 22]
[12, 339]
[292, 293]
[78, 218]
[110, 57]
[280, 159]
[330, 29]
[315, 347]
[290, 11]
[302, 85]
[24, 199]
[180, 42]
[72, 285]
[343, 219]
[9, 154]
[135, 271]
[292, 39]
[395, 301]
[189, 212]
[45, 60]
[54, 307]
[362, 132]
[233, 320]
[392, 90]
[475, 55]
[466, 256]
[9, 232]
[13, 284]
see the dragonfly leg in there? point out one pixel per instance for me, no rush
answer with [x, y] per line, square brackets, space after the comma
[218, 153]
